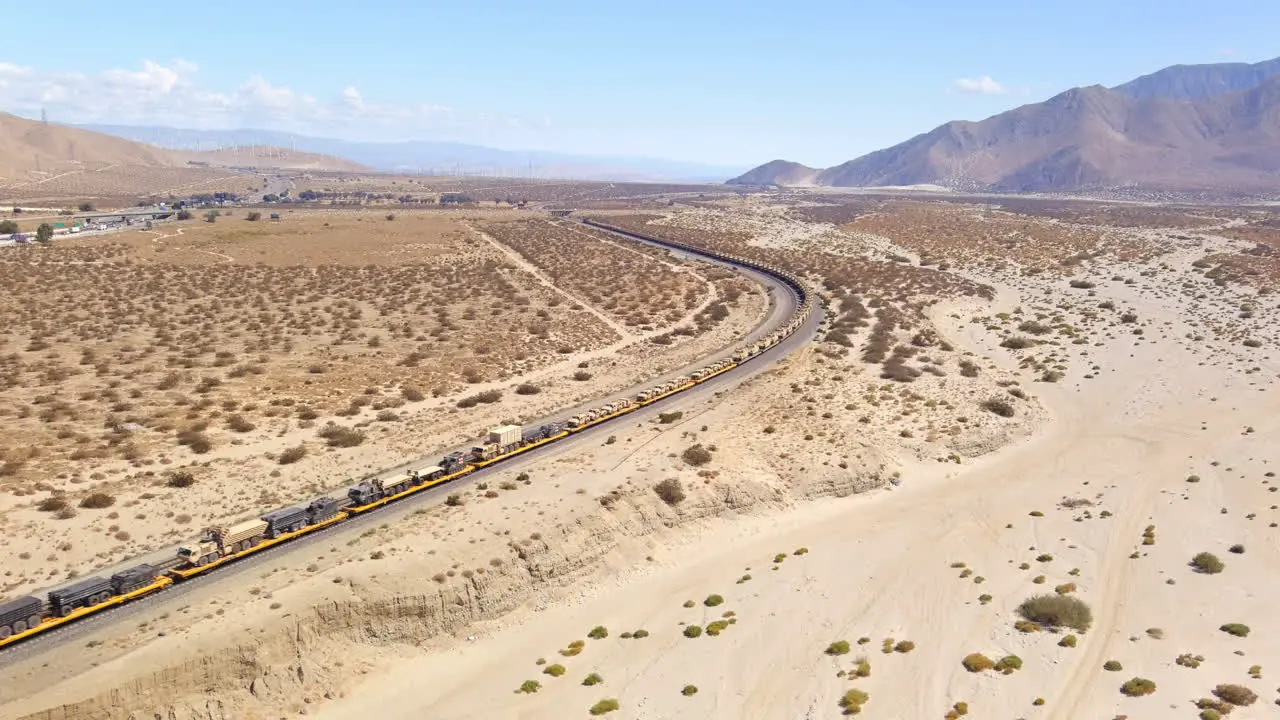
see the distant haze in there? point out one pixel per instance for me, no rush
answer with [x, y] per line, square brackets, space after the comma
[432, 157]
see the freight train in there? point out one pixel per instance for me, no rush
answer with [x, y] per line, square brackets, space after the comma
[28, 616]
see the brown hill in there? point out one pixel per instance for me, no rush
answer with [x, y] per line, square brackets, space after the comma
[29, 146]
[33, 151]
[1089, 138]
[266, 157]
[777, 172]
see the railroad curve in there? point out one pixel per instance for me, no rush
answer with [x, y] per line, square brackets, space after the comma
[793, 317]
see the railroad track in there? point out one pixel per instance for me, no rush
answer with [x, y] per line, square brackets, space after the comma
[795, 309]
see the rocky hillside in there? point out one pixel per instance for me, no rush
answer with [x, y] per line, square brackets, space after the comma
[1197, 82]
[1090, 138]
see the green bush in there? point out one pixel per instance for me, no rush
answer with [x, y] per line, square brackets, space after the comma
[593, 679]
[853, 700]
[640, 634]
[669, 417]
[977, 662]
[554, 670]
[1238, 695]
[1057, 611]
[689, 690]
[1207, 563]
[713, 600]
[1068, 641]
[1112, 666]
[839, 647]
[717, 627]
[692, 631]
[1237, 629]
[598, 633]
[607, 705]
[1008, 664]
[1137, 687]
[530, 687]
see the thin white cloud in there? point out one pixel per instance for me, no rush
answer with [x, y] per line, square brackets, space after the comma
[169, 94]
[1227, 52]
[984, 85]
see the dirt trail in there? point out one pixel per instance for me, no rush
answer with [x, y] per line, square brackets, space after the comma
[546, 281]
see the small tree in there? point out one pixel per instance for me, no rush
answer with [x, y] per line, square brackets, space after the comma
[211, 216]
[184, 214]
[86, 207]
[253, 216]
[8, 227]
[44, 233]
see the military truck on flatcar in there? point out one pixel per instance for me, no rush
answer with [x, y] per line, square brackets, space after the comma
[222, 541]
[285, 520]
[138, 576]
[20, 615]
[85, 593]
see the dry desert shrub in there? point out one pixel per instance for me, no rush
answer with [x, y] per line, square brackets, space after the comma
[97, 501]
[670, 490]
[1057, 611]
[696, 455]
[341, 436]
[126, 332]
[292, 455]
[1237, 695]
[630, 286]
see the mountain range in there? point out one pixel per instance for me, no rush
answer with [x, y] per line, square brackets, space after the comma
[1184, 128]
[435, 157]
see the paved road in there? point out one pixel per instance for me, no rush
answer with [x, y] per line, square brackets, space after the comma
[783, 303]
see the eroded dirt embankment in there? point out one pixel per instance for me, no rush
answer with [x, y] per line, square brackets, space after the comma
[317, 655]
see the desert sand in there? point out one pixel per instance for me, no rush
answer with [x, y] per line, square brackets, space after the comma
[905, 515]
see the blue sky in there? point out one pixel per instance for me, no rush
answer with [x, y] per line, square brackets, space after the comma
[719, 82]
